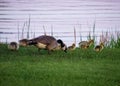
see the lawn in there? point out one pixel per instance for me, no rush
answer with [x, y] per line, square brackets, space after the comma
[28, 67]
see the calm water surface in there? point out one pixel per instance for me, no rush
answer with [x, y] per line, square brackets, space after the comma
[57, 16]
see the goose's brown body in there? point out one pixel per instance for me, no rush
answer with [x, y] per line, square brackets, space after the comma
[44, 42]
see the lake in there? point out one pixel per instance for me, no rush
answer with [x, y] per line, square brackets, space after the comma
[58, 18]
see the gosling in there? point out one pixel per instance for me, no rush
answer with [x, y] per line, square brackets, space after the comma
[99, 48]
[72, 47]
[86, 44]
[13, 46]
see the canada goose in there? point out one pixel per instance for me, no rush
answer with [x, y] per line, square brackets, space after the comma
[13, 46]
[86, 44]
[99, 47]
[44, 42]
[23, 42]
[72, 47]
[62, 45]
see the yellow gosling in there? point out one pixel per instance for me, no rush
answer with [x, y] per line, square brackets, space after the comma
[90, 42]
[72, 47]
[99, 48]
[85, 44]
[13, 46]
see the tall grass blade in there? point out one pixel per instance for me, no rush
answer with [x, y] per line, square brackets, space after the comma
[51, 30]
[89, 36]
[80, 33]
[94, 26]
[6, 40]
[23, 30]
[28, 31]
[74, 35]
[44, 30]
[18, 31]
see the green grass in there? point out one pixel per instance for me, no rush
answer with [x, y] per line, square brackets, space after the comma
[28, 67]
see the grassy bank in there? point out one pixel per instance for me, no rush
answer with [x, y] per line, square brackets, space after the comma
[28, 67]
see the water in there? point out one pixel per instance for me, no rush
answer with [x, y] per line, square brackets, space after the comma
[57, 16]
